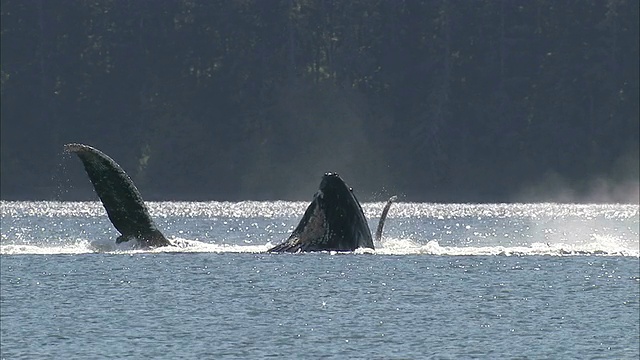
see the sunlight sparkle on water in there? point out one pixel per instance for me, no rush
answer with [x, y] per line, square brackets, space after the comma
[411, 228]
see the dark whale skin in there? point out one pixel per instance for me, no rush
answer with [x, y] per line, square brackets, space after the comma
[120, 197]
[333, 221]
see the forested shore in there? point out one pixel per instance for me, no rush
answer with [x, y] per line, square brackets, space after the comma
[439, 101]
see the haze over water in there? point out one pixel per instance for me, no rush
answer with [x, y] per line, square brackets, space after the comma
[447, 281]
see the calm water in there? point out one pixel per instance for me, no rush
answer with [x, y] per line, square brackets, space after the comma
[526, 281]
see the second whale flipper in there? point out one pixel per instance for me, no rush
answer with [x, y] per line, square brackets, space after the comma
[120, 197]
[334, 221]
[383, 217]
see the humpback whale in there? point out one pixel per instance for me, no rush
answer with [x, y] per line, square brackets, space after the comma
[334, 221]
[120, 198]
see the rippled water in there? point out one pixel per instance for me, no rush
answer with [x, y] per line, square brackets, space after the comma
[447, 281]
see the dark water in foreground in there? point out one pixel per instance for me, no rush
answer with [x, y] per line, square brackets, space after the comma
[448, 281]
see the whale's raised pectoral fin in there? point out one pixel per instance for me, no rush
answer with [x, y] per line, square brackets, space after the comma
[120, 197]
[383, 217]
[334, 221]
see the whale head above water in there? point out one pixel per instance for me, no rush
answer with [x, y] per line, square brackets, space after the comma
[120, 197]
[334, 221]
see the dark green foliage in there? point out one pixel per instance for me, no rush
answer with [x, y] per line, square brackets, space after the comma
[435, 100]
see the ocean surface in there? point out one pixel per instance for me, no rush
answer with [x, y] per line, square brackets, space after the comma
[447, 281]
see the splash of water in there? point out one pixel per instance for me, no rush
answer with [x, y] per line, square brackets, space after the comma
[601, 245]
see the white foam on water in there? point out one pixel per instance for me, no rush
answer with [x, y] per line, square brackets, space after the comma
[418, 228]
[109, 246]
[80, 247]
[195, 246]
[599, 245]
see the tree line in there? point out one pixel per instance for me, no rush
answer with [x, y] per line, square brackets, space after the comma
[434, 100]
